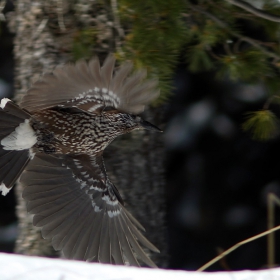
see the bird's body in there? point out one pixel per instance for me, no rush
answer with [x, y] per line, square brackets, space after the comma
[61, 129]
[56, 138]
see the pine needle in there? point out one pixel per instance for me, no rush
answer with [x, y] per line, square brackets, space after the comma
[262, 124]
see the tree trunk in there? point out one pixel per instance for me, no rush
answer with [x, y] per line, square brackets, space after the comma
[45, 37]
[36, 50]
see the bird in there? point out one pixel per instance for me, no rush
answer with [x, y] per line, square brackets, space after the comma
[53, 142]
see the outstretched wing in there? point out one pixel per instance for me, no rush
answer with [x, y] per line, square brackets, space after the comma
[91, 87]
[78, 208]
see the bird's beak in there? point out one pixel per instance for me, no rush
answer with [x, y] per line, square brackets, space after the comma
[149, 126]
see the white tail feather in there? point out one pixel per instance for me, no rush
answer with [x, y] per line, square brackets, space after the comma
[21, 139]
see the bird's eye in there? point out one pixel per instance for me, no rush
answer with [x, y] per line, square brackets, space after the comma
[136, 118]
[108, 108]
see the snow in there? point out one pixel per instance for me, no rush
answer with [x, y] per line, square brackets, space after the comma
[22, 138]
[19, 267]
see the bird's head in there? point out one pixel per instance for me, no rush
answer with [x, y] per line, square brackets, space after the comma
[123, 122]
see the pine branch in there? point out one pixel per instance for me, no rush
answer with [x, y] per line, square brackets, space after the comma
[260, 13]
[255, 43]
[263, 124]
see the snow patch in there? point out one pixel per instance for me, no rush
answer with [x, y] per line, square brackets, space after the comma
[4, 189]
[21, 267]
[21, 139]
[4, 102]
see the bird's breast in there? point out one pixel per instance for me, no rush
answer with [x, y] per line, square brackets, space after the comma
[64, 133]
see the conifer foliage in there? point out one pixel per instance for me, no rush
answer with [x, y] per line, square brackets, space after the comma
[236, 39]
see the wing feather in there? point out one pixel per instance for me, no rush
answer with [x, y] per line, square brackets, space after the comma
[115, 245]
[71, 237]
[137, 249]
[107, 71]
[104, 252]
[84, 219]
[91, 87]
[124, 243]
[83, 241]
[93, 246]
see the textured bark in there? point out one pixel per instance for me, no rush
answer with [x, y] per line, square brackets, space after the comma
[36, 50]
[45, 31]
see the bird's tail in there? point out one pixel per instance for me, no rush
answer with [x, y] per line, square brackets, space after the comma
[16, 139]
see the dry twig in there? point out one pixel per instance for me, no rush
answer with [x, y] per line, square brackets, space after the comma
[237, 245]
[260, 13]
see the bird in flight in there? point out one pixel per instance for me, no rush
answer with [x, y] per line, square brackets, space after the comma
[54, 141]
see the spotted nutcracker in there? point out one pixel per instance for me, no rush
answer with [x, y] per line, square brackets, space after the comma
[56, 137]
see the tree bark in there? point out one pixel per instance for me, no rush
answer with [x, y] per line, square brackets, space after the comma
[44, 36]
[35, 51]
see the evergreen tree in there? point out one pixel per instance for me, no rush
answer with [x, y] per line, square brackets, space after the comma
[236, 39]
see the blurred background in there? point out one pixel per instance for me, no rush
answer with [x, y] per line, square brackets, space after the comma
[217, 177]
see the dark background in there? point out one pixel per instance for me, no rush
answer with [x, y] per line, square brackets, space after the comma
[218, 178]
[8, 226]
